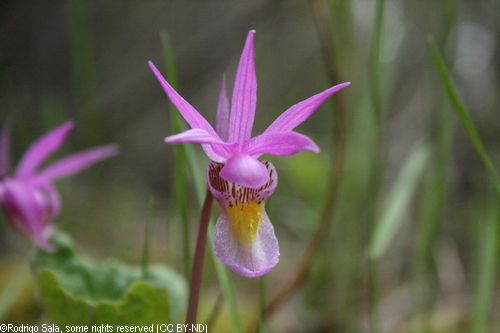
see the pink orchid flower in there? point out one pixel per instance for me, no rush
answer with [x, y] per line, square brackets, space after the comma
[29, 198]
[245, 239]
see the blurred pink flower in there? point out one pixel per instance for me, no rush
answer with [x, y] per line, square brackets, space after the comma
[29, 198]
[245, 239]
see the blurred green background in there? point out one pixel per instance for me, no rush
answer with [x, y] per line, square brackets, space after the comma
[435, 270]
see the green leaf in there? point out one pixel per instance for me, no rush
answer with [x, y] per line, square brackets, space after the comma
[398, 199]
[74, 290]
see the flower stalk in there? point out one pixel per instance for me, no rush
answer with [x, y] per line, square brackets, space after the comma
[199, 255]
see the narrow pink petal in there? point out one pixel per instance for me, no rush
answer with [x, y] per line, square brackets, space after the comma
[244, 97]
[279, 144]
[245, 170]
[75, 163]
[298, 113]
[4, 149]
[250, 260]
[195, 135]
[222, 117]
[42, 148]
[188, 112]
[215, 148]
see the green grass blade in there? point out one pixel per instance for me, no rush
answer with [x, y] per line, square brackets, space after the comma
[177, 121]
[180, 179]
[12, 290]
[484, 288]
[489, 242]
[376, 46]
[430, 213]
[83, 69]
[398, 199]
[375, 85]
[226, 286]
[146, 247]
[463, 115]
[197, 173]
[262, 304]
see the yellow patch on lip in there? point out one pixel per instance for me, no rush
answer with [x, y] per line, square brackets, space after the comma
[245, 220]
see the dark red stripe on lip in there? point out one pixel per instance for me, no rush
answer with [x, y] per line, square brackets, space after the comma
[234, 194]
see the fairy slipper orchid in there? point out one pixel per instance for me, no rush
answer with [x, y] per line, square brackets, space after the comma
[28, 197]
[241, 183]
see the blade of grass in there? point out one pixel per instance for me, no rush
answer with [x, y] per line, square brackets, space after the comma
[484, 288]
[375, 76]
[12, 290]
[398, 199]
[226, 286]
[430, 213]
[180, 179]
[487, 268]
[425, 282]
[83, 69]
[146, 248]
[177, 121]
[262, 304]
[200, 187]
[463, 115]
[369, 266]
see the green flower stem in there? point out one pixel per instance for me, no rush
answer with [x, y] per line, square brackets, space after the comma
[199, 255]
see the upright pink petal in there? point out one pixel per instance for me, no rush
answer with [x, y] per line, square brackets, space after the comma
[188, 112]
[42, 148]
[245, 170]
[298, 113]
[4, 149]
[244, 97]
[75, 163]
[279, 144]
[222, 117]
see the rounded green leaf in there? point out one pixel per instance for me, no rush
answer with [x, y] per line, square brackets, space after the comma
[77, 291]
